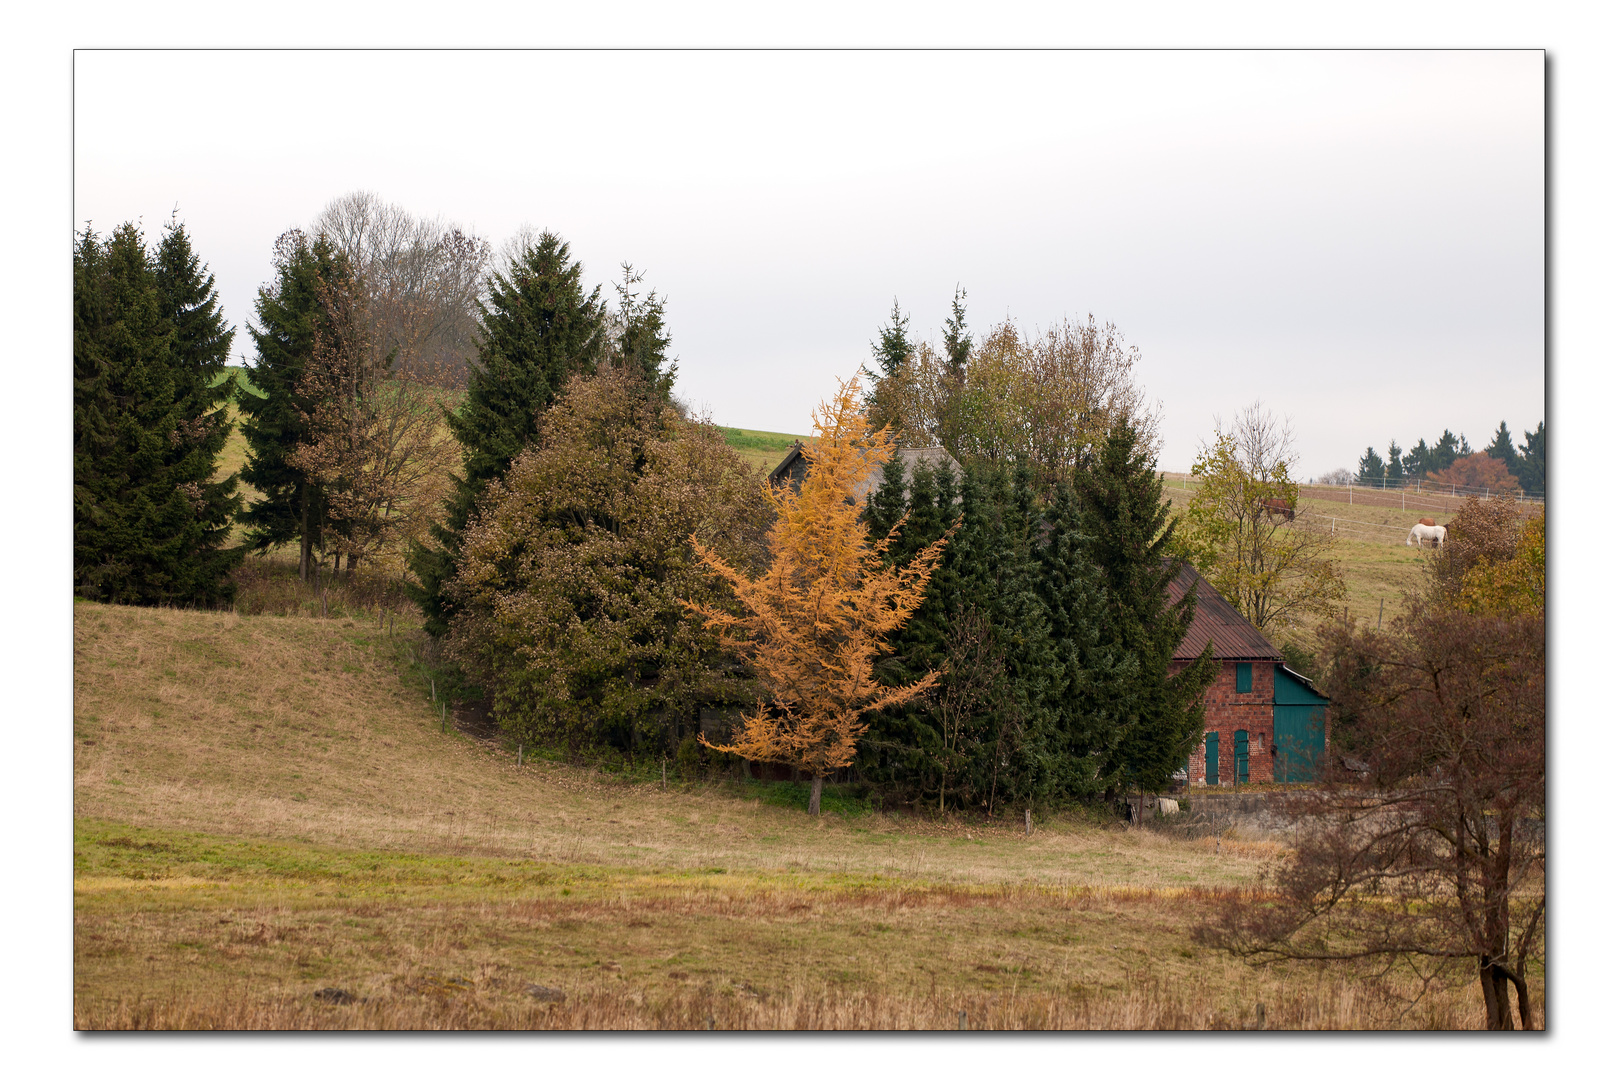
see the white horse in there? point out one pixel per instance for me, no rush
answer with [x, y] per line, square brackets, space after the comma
[1420, 534]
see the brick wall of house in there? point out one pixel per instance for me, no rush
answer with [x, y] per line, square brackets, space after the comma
[1226, 711]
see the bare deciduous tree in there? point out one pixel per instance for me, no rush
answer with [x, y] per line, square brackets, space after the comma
[375, 440]
[421, 277]
[1431, 853]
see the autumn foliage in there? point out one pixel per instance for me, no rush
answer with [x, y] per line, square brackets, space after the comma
[1478, 471]
[816, 619]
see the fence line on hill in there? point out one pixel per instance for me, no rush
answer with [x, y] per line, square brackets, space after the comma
[1402, 498]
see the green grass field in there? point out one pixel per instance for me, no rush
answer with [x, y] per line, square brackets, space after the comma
[266, 807]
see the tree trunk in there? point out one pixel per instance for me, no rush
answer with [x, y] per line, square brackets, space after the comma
[815, 796]
[1497, 1002]
[303, 539]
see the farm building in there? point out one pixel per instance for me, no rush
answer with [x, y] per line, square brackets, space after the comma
[793, 466]
[1263, 720]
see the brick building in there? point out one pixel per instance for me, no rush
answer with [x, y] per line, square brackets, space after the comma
[1239, 744]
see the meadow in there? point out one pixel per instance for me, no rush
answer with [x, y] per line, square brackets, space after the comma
[282, 821]
[275, 826]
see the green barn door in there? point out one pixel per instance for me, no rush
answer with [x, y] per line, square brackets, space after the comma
[1300, 738]
[1211, 758]
[1239, 755]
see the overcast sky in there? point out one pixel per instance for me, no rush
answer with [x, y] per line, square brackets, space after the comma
[1354, 238]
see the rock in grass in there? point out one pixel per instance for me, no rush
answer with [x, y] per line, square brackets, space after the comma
[544, 993]
[333, 995]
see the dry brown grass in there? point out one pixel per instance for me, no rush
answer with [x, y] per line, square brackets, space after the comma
[266, 808]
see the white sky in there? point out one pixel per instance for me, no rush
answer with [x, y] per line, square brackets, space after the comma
[1354, 238]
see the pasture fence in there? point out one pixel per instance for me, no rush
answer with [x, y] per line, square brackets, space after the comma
[1445, 499]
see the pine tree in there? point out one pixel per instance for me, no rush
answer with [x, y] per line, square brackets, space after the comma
[1417, 459]
[890, 350]
[958, 347]
[1371, 468]
[1502, 450]
[200, 352]
[291, 315]
[1132, 541]
[1532, 460]
[904, 750]
[539, 328]
[958, 343]
[1446, 451]
[640, 338]
[149, 521]
[1093, 677]
[1396, 466]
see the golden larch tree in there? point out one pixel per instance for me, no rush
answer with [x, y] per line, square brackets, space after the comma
[815, 621]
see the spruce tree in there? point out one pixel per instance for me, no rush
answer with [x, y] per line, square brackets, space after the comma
[1370, 469]
[1532, 461]
[1502, 450]
[1396, 466]
[641, 340]
[893, 344]
[1418, 460]
[958, 347]
[290, 314]
[149, 522]
[904, 748]
[538, 329]
[1446, 451]
[1092, 676]
[958, 343]
[1021, 771]
[889, 351]
[200, 354]
[1131, 535]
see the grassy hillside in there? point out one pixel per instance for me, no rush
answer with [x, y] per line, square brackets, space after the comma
[760, 448]
[266, 807]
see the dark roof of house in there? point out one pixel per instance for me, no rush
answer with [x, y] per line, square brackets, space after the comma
[1234, 637]
[910, 457]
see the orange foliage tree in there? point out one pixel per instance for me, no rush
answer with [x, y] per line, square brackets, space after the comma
[813, 623]
[1480, 472]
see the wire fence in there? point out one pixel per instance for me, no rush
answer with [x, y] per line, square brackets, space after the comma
[1447, 499]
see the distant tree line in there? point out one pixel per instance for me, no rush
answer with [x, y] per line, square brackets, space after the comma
[1500, 466]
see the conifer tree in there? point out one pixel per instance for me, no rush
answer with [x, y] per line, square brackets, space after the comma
[1092, 676]
[640, 338]
[823, 611]
[291, 315]
[1532, 460]
[150, 523]
[890, 351]
[1020, 768]
[1396, 465]
[1371, 469]
[538, 328]
[1131, 535]
[1445, 452]
[906, 750]
[1417, 459]
[200, 353]
[1502, 450]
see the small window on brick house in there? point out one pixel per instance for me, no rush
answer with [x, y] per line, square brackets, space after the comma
[1245, 678]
